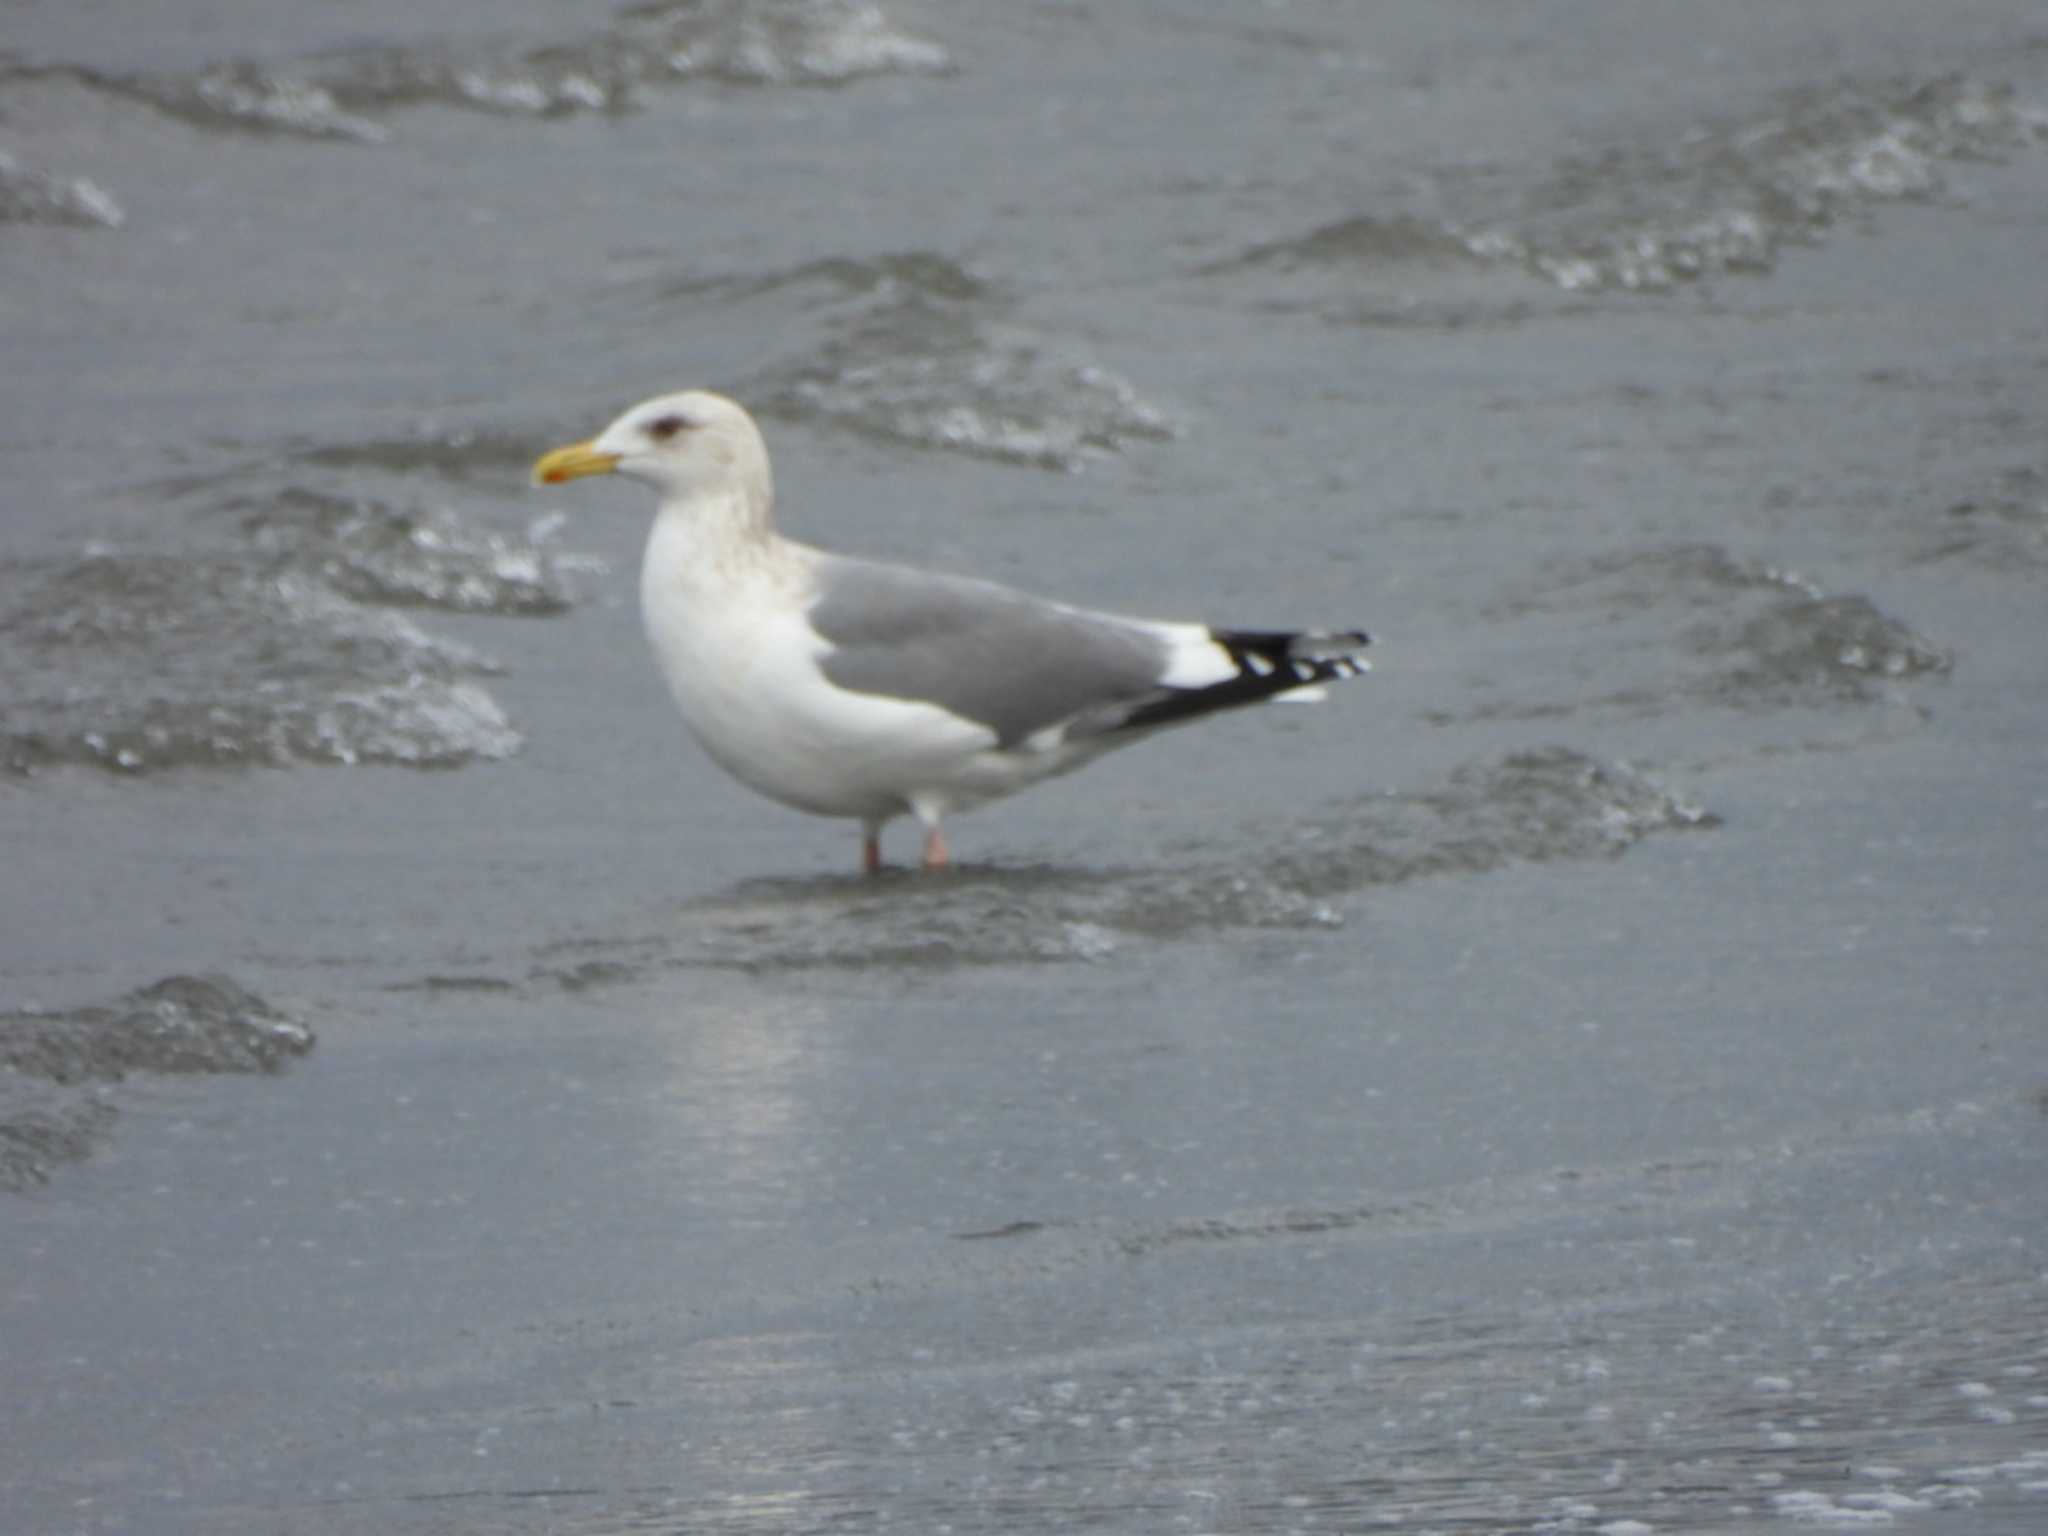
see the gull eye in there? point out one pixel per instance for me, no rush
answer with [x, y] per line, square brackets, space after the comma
[663, 428]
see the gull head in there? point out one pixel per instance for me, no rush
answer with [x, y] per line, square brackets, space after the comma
[683, 445]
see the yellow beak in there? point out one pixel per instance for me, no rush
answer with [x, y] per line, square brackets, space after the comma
[573, 463]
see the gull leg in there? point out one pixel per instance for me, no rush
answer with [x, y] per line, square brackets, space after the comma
[870, 848]
[928, 809]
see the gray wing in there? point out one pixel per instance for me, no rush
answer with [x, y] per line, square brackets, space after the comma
[1011, 662]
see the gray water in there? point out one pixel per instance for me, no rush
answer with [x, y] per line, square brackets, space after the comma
[1589, 1076]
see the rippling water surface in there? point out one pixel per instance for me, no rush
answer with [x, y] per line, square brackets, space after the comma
[1588, 1076]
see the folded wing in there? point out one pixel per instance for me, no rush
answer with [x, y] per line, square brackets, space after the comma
[1024, 667]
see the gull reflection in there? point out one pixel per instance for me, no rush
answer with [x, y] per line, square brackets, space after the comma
[739, 1116]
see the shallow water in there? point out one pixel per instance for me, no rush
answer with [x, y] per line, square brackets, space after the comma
[1586, 1076]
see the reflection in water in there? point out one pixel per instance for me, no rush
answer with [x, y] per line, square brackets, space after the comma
[750, 1112]
[738, 1109]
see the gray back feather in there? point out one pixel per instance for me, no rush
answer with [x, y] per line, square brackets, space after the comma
[1012, 662]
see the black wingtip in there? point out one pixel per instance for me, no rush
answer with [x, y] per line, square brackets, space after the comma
[1269, 663]
[1319, 642]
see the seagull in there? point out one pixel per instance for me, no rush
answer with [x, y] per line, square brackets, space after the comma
[850, 688]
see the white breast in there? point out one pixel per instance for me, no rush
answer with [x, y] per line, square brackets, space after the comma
[742, 663]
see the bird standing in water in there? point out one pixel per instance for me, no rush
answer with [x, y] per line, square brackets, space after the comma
[847, 687]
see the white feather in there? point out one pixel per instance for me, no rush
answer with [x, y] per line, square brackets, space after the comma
[1194, 659]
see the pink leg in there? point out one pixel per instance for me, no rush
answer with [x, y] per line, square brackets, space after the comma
[935, 854]
[871, 851]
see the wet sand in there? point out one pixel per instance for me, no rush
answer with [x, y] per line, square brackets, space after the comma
[1587, 1076]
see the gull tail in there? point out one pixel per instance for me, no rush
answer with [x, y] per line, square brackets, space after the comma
[1280, 665]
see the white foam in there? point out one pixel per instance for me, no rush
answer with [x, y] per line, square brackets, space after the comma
[36, 197]
[1885, 1498]
[1811, 1508]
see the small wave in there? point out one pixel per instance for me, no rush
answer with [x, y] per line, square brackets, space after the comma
[36, 197]
[798, 42]
[1361, 241]
[1647, 217]
[42, 1125]
[996, 397]
[182, 1024]
[896, 276]
[1265, 1226]
[1818, 649]
[346, 95]
[1758, 637]
[1650, 215]
[179, 1024]
[916, 354]
[1529, 807]
[413, 558]
[2005, 525]
[1682, 575]
[144, 662]
[243, 95]
[236, 96]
